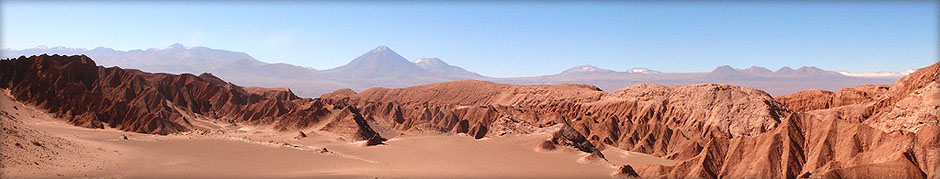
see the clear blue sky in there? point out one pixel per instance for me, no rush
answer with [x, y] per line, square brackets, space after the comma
[504, 39]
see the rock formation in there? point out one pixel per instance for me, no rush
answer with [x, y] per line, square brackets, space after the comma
[660, 120]
[625, 171]
[74, 88]
[567, 136]
[301, 135]
[375, 140]
[851, 133]
[350, 124]
[714, 130]
[907, 105]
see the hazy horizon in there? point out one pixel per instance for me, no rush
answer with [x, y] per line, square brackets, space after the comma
[505, 39]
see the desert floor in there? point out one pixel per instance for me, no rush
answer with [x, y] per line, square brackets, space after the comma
[250, 152]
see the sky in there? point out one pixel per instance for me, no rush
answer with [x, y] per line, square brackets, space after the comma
[504, 39]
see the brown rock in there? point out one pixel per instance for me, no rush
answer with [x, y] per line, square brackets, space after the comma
[567, 136]
[350, 124]
[375, 140]
[300, 135]
[625, 171]
[545, 146]
[849, 141]
[819, 99]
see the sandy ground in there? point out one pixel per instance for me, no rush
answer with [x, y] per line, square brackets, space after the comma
[246, 152]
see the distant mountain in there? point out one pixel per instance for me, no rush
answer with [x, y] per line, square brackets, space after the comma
[175, 58]
[586, 69]
[785, 72]
[237, 67]
[13, 53]
[383, 67]
[441, 68]
[780, 82]
[807, 71]
[641, 70]
[756, 70]
[725, 71]
[380, 67]
[380, 63]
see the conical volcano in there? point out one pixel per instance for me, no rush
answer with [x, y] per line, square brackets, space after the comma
[381, 62]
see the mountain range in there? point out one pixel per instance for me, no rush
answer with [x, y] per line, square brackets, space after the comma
[383, 67]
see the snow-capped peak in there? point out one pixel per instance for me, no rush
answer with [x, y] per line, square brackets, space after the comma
[908, 71]
[641, 70]
[877, 74]
[588, 68]
[427, 61]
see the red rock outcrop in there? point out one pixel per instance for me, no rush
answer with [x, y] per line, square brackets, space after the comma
[910, 103]
[567, 136]
[804, 148]
[74, 88]
[375, 140]
[349, 124]
[625, 171]
[660, 120]
[715, 130]
[820, 99]
[833, 140]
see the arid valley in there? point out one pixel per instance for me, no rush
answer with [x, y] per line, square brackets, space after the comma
[469, 89]
[64, 116]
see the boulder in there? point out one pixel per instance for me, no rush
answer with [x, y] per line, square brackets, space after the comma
[625, 171]
[375, 140]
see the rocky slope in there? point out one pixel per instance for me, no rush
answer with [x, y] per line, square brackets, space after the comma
[868, 131]
[820, 99]
[74, 88]
[912, 102]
